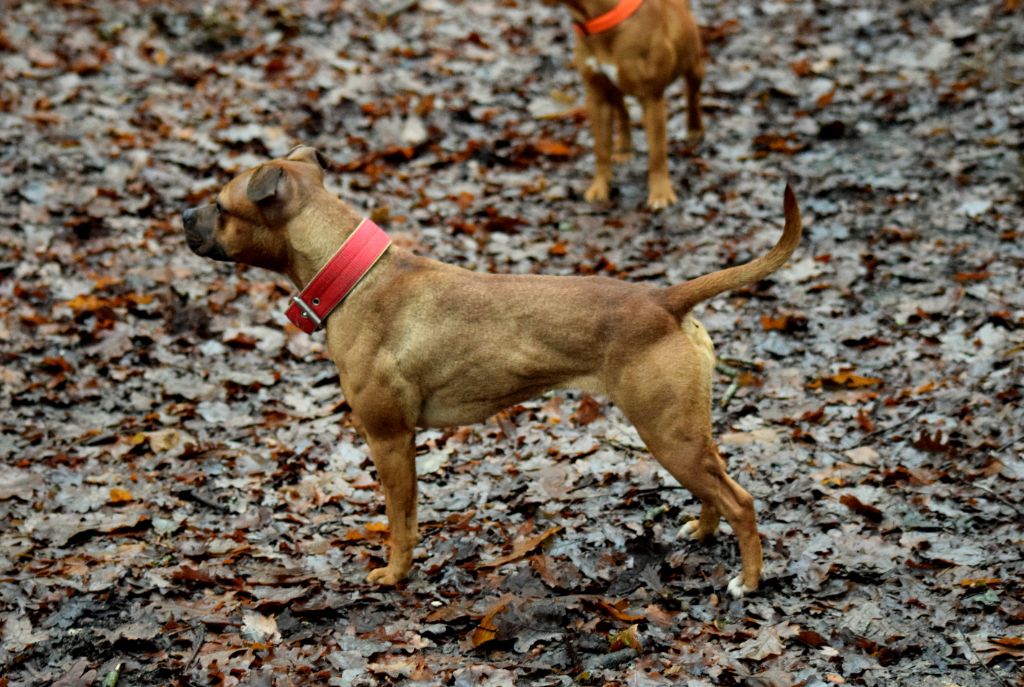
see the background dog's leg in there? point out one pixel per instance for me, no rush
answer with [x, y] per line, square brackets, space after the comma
[394, 456]
[694, 124]
[601, 125]
[623, 131]
[659, 188]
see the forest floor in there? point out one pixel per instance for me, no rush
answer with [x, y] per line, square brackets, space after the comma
[181, 490]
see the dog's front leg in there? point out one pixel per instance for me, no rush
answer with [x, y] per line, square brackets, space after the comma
[601, 117]
[659, 188]
[394, 457]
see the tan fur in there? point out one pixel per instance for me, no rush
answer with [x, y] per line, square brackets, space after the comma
[659, 43]
[420, 343]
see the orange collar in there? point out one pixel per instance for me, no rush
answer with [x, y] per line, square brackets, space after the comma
[610, 19]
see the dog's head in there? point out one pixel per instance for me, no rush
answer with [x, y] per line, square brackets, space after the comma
[250, 218]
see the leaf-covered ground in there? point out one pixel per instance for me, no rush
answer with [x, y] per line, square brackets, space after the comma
[181, 491]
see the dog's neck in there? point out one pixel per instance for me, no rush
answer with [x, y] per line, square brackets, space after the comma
[333, 223]
[585, 10]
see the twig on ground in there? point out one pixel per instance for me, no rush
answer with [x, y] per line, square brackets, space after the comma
[885, 430]
[198, 497]
[734, 386]
[1016, 440]
[977, 658]
[200, 638]
[725, 369]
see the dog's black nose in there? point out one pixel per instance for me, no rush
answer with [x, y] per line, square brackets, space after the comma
[188, 218]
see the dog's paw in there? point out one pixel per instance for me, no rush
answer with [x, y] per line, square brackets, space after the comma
[385, 577]
[692, 530]
[622, 156]
[598, 191]
[694, 136]
[661, 197]
[737, 589]
[688, 531]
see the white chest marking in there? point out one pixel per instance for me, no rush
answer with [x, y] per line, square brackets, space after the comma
[610, 71]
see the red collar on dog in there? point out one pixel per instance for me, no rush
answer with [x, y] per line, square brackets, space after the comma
[338, 277]
[610, 19]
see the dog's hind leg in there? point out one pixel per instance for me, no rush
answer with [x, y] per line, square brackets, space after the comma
[666, 394]
[704, 527]
[695, 463]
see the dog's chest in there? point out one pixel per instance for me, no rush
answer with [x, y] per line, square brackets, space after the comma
[609, 70]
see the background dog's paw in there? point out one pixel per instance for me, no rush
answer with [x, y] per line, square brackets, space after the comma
[598, 191]
[386, 577]
[737, 589]
[661, 197]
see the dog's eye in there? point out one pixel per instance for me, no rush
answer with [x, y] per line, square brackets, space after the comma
[220, 209]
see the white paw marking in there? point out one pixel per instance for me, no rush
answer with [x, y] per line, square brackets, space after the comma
[688, 531]
[737, 588]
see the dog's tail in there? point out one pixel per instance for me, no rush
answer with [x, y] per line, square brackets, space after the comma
[681, 298]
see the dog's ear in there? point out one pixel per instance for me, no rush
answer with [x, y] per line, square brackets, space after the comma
[309, 154]
[263, 183]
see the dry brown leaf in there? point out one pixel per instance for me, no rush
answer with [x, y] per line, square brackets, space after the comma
[630, 637]
[522, 547]
[486, 630]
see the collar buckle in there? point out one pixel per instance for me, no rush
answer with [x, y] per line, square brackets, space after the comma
[307, 312]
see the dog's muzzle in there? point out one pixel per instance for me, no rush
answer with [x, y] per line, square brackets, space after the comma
[199, 241]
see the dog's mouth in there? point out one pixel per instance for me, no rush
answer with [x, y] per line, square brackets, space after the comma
[205, 247]
[195, 242]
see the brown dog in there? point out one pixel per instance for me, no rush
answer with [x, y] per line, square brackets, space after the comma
[419, 343]
[636, 48]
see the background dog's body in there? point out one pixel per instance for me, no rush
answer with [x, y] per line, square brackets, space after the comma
[639, 57]
[422, 343]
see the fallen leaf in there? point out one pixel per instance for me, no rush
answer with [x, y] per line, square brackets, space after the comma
[614, 609]
[522, 547]
[119, 495]
[587, 411]
[630, 637]
[964, 277]
[1003, 647]
[546, 146]
[486, 630]
[857, 506]
[847, 380]
[865, 421]
[863, 455]
[259, 628]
